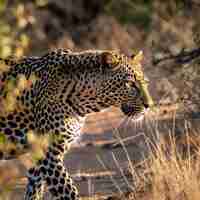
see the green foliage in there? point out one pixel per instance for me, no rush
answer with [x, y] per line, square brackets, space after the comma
[130, 11]
[2, 138]
[5, 39]
[2, 5]
[41, 3]
[13, 39]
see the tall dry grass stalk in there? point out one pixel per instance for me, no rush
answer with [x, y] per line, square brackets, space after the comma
[171, 171]
[175, 169]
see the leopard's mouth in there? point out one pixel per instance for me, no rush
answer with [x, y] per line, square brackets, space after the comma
[134, 112]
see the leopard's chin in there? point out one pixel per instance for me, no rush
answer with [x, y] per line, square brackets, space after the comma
[138, 117]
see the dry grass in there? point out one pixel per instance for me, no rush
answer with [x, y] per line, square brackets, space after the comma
[171, 171]
[174, 169]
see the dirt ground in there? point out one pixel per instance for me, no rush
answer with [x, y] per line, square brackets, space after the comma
[101, 164]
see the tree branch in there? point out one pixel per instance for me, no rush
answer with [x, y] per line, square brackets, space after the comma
[180, 58]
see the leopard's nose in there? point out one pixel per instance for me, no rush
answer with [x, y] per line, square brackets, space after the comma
[126, 109]
[146, 105]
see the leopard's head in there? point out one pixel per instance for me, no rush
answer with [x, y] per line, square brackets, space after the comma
[124, 84]
[90, 81]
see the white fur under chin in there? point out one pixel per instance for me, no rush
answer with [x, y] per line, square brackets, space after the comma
[137, 119]
[78, 131]
[141, 116]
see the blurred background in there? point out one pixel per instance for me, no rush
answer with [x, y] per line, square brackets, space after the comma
[158, 28]
[168, 32]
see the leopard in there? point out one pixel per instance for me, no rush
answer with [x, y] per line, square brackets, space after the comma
[67, 86]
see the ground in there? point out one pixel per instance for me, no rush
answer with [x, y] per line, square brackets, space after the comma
[99, 164]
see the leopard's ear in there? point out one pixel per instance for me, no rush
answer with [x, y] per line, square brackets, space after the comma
[137, 66]
[109, 59]
[137, 58]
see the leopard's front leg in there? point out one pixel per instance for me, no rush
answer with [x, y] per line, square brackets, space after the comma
[35, 186]
[51, 170]
[55, 174]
